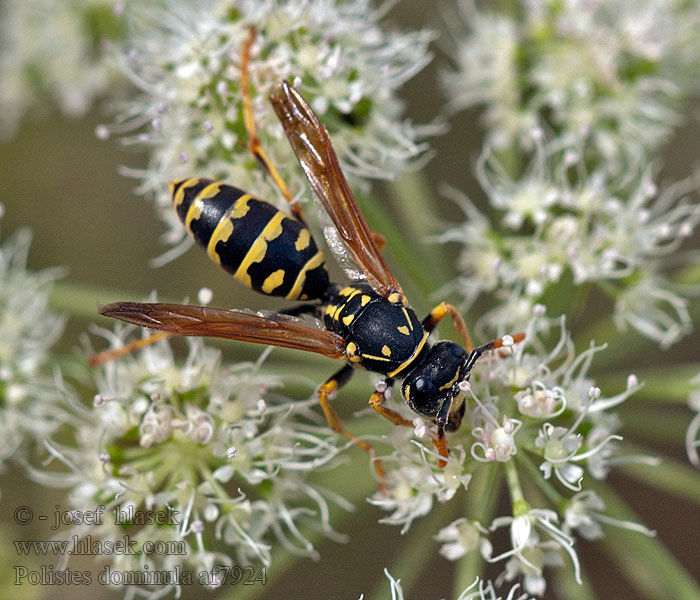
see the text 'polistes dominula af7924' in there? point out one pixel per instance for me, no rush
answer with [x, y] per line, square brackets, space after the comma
[369, 324]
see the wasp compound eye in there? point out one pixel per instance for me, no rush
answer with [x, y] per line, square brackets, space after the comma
[423, 386]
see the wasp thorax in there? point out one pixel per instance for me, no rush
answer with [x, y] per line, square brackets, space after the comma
[435, 380]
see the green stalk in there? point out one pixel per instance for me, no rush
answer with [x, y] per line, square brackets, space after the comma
[670, 476]
[649, 566]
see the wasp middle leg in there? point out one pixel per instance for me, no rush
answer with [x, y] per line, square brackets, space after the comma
[328, 389]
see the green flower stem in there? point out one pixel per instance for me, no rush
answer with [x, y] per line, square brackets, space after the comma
[520, 505]
[536, 476]
[80, 300]
[481, 504]
[419, 213]
[668, 386]
[677, 479]
[571, 589]
[650, 567]
[654, 423]
[352, 482]
[410, 563]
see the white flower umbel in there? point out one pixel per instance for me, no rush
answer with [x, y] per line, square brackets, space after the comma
[52, 51]
[478, 590]
[584, 515]
[536, 540]
[29, 389]
[185, 60]
[560, 222]
[611, 75]
[191, 441]
[532, 405]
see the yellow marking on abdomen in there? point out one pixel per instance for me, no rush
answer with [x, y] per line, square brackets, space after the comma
[180, 195]
[273, 281]
[403, 329]
[315, 261]
[195, 209]
[257, 251]
[224, 228]
[240, 208]
[386, 351]
[303, 240]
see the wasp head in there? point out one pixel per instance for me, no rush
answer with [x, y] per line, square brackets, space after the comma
[432, 389]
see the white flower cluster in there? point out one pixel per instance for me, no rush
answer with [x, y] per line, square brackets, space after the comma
[28, 329]
[53, 51]
[558, 221]
[209, 444]
[186, 61]
[479, 590]
[607, 75]
[532, 406]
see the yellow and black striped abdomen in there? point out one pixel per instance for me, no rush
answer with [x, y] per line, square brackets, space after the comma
[261, 246]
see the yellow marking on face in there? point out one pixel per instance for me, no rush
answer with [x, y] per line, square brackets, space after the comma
[303, 240]
[180, 195]
[241, 208]
[259, 248]
[403, 329]
[364, 300]
[273, 281]
[409, 360]
[451, 382]
[386, 351]
[346, 291]
[330, 309]
[347, 320]
[315, 261]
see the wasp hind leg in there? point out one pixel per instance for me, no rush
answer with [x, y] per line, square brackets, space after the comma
[105, 356]
[325, 392]
[439, 313]
[254, 144]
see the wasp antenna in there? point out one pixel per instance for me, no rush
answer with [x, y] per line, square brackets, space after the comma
[501, 342]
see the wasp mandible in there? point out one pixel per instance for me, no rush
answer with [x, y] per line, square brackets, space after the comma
[369, 324]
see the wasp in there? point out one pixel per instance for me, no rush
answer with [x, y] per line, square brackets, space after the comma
[369, 323]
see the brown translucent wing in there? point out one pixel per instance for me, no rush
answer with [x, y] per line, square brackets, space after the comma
[183, 319]
[313, 149]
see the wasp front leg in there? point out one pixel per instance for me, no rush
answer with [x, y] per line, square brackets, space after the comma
[440, 312]
[325, 392]
[254, 144]
[376, 401]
